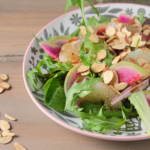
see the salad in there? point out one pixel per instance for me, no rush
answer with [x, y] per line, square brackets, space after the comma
[100, 72]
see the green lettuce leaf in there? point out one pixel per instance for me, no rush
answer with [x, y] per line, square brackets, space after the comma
[54, 92]
[104, 19]
[141, 18]
[139, 101]
[89, 50]
[93, 22]
[79, 90]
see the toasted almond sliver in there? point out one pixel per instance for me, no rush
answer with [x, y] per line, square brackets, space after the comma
[121, 86]
[118, 26]
[120, 34]
[83, 30]
[114, 81]
[146, 32]
[110, 31]
[18, 146]
[136, 37]
[7, 133]
[5, 140]
[94, 38]
[110, 39]
[141, 43]
[108, 76]
[115, 90]
[1, 90]
[146, 67]
[124, 40]
[10, 117]
[101, 55]
[4, 85]
[132, 60]
[96, 68]
[128, 33]
[145, 27]
[83, 68]
[4, 77]
[116, 60]
[128, 50]
[142, 61]
[106, 68]
[119, 47]
[91, 29]
[123, 55]
[4, 125]
[85, 73]
[101, 37]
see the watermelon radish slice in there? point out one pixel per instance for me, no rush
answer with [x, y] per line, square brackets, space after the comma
[51, 49]
[130, 90]
[101, 28]
[128, 72]
[60, 40]
[147, 95]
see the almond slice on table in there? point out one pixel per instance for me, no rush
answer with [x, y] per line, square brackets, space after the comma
[5, 140]
[4, 125]
[4, 85]
[108, 76]
[128, 33]
[96, 68]
[1, 90]
[116, 60]
[7, 133]
[115, 90]
[121, 86]
[83, 30]
[18, 146]
[4, 77]
[146, 67]
[110, 31]
[146, 32]
[101, 55]
[83, 68]
[10, 117]
[119, 47]
[114, 81]
[91, 29]
[85, 73]
[141, 61]
[145, 27]
[94, 38]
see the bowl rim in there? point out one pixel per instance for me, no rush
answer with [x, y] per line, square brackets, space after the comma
[100, 136]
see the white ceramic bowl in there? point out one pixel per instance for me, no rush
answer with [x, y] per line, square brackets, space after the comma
[134, 129]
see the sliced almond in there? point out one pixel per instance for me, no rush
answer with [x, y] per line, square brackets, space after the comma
[114, 42]
[145, 27]
[96, 68]
[7, 133]
[128, 33]
[106, 68]
[137, 25]
[3, 77]
[116, 60]
[101, 37]
[132, 60]
[142, 61]
[146, 67]
[4, 125]
[110, 31]
[10, 117]
[119, 47]
[118, 26]
[115, 20]
[18, 146]
[110, 39]
[123, 55]
[115, 90]
[136, 37]
[94, 38]
[4, 85]
[5, 140]
[130, 39]
[91, 29]
[148, 42]
[128, 50]
[85, 73]
[146, 32]
[101, 55]
[114, 81]
[141, 43]
[1, 90]
[121, 86]
[124, 40]
[83, 30]
[120, 34]
[83, 68]
[108, 76]
[145, 77]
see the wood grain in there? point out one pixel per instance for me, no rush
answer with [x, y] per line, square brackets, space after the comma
[18, 20]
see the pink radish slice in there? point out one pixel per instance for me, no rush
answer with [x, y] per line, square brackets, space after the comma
[147, 95]
[130, 90]
[124, 18]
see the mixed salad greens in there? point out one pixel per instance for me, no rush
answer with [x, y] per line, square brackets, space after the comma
[100, 72]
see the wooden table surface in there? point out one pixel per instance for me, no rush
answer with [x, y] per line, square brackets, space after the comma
[18, 20]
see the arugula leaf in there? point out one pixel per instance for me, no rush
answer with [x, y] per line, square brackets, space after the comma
[93, 48]
[79, 90]
[104, 19]
[141, 18]
[80, 3]
[54, 92]
[99, 123]
[75, 33]
[93, 21]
